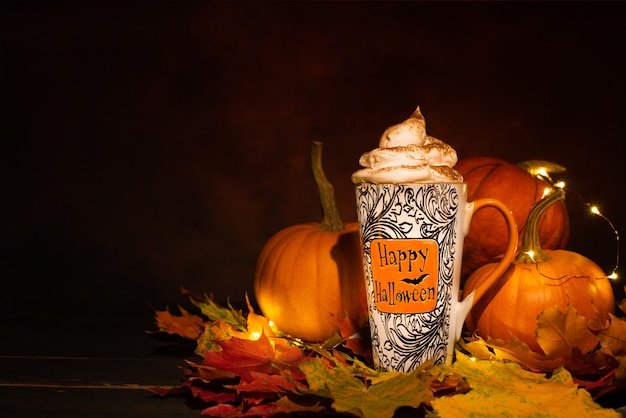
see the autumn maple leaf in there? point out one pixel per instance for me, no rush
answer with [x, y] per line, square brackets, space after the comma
[504, 389]
[558, 333]
[356, 339]
[214, 311]
[242, 356]
[567, 341]
[283, 405]
[265, 384]
[235, 411]
[362, 397]
[186, 325]
[513, 350]
[613, 338]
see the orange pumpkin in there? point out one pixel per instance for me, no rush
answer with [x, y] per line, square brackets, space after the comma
[536, 281]
[311, 275]
[488, 177]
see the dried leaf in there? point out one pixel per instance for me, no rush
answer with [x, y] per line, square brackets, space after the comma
[214, 311]
[208, 373]
[613, 338]
[446, 385]
[287, 406]
[207, 395]
[186, 325]
[558, 333]
[241, 356]
[272, 383]
[592, 371]
[283, 405]
[356, 339]
[255, 325]
[514, 350]
[235, 411]
[358, 397]
[477, 348]
[504, 389]
[218, 330]
[249, 371]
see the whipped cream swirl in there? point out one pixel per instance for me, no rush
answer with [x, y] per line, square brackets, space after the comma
[406, 154]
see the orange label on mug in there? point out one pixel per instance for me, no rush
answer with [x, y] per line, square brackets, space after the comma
[405, 274]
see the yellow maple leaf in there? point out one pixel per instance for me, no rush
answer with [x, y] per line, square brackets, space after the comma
[514, 350]
[504, 389]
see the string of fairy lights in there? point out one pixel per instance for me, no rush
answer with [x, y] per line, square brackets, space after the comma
[542, 170]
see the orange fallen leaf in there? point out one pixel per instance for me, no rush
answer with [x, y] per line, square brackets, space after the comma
[186, 325]
[242, 357]
[613, 338]
[558, 333]
[513, 350]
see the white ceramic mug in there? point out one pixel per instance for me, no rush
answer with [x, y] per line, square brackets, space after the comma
[412, 237]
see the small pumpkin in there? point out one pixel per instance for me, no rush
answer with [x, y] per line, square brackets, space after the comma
[519, 190]
[536, 281]
[310, 275]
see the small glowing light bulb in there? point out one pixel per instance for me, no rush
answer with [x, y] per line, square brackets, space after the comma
[612, 276]
[271, 323]
[541, 171]
[256, 335]
[531, 254]
[546, 192]
[560, 185]
[595, 210]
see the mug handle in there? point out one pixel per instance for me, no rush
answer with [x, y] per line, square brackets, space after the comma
[509, 254]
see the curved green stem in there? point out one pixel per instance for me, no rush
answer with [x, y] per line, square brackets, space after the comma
[531, 246]
[331, 220]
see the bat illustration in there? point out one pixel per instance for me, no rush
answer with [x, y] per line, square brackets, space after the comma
[415, 280]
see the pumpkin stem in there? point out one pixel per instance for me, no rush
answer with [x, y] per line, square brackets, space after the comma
[330, 214]
[531, 252]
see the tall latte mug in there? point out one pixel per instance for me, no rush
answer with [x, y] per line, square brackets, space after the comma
[412, 237]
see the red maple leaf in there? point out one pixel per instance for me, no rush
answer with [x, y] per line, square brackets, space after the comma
[273, 383]
[356, 338]
[235, 411]
[241, 356]
[207, 395]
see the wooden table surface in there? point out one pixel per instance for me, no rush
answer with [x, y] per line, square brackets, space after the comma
[73, 366]
[70, 366]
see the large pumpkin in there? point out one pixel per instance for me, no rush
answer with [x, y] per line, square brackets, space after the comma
[539, 280]
[310, 275]
[488, 177]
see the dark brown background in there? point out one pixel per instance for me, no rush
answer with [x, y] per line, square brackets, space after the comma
[147, 146]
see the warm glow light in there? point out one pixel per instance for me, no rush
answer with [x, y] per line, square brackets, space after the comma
[531, 254]
[256, 335]
[271, 323]
[546, 192]
[595, 210]
[560, 185]
[612, 276]
[541, 171]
